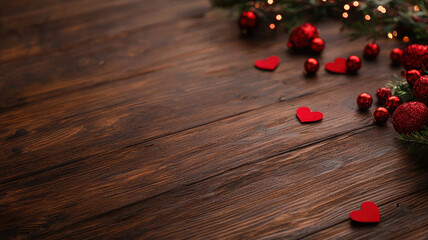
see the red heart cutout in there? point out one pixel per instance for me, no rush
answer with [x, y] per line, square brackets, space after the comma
[305, 115]
[369, 213]
[269, 63]
[338, 66]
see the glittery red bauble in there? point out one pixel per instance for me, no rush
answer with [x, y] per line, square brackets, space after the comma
[248, 20]
[317, 45]
[410, 117]
[420, 89]
[382, 94]
[395, 56]
[353, 63]
[412, 76]
[311, 66]
[415, 56]
[380, 115]
[392, 103]
[364, 100]
[371, 51]
[301, 36]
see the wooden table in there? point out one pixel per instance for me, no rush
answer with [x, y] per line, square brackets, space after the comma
[146, 119]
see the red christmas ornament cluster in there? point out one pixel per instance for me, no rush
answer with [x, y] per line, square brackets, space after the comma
[415, 56]
[248, 20]
[305, 36]
[311, 66]
[371, 51]
[395, 56]
[353, 64]
[410, 117]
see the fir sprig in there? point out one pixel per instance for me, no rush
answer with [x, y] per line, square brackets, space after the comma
[420, 137]
[401, 89]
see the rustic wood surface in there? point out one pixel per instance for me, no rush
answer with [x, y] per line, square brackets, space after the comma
[146, 119]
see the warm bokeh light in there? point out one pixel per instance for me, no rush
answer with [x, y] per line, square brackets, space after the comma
[257, 5]
[346, 7]
[390, 35]
[324, 0]
[272, 26]
[270, 2]
[367, 17]
[356, 4]
[345, 15]
[406, 39]
[381, 9]
[416, 8]
[278, 17]
[394, 33]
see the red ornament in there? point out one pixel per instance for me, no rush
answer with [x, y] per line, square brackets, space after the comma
[317, 45]
[410, 117]
[382, 94]
[364, 100]
[380, 115]
[369, 213]
[311, 66]
[353, 63]
[415, 56]
[305, 115]
[412, 76]
[371, 51]
[395, 56]
[392, 103]
[301, 36]
[248, 20]
[268, 64]
[420, 89]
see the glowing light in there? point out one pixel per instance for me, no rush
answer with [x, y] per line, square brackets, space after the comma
[406, 39]
[272, 26]
[381, 9]
[390, 35]
[346, 7]
[345, 15]
[270, 2]
[394, 33]
[367, 17]
[324, 0]
[257, 5]
[278, 17]
[356, 4]
[416, 8]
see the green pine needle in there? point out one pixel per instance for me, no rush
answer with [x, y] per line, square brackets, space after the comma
[401, 89]
[420, 137]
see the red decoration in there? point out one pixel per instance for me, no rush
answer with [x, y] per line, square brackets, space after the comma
[353, 63]
[371, 51]
[415, 56]
[382, 94]
[412, 76]
[395, 56]
[248, 20]
[338, 66]
[305, 115]
[301, 36]
[364, 100]
[380, 115]
[410, 117]
[317, 45]
[268, 64]
[392, 103]
[420, 89]
[369, 213]
[311, 66]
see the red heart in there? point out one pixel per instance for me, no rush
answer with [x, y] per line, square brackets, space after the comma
[269, 63]
[305, 115]
[338, 66]
[369, 213]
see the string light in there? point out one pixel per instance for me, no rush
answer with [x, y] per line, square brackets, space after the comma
[324, 0]
[381, 9]
[356, 4]
[390, 35]
[270, 2]
[406, 39]
[345, 15]
[416, 8]
[346, 7]
[367, 17]
[394, 33]
[278, 17]
[272, 26]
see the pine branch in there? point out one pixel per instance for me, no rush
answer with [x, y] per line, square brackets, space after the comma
[401, 89]
[420, 137]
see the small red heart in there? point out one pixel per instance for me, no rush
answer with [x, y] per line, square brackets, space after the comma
[369, 213]
[269, 63]
[305, 115]
[338, 66]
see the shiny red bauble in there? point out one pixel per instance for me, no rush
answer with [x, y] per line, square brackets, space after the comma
[382, 94]
[415, 56]
[311, 66]
[392, 103]
[371, 51]
[317, 45]
[380, 115]
[420, 89]
[364, 100]
[412, 76]
[395, 56]
[353, 63]
[248, 20]
[410, 117]
[301, 36]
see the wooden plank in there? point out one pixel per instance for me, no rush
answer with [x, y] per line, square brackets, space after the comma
[405, 218]
[105, 20]
[97, 120]
[287, 196]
